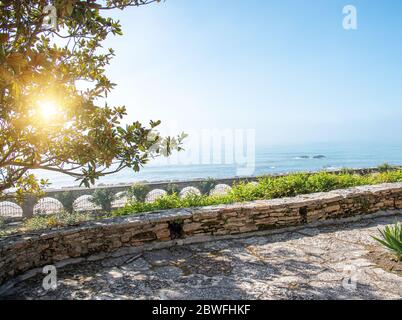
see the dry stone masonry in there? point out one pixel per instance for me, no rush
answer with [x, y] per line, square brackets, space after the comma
[116, 236]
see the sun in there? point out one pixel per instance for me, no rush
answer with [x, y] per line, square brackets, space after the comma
[48, 109]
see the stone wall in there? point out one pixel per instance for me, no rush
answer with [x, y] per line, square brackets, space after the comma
[104, 237]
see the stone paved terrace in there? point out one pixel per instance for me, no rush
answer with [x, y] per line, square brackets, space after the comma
[307, 263]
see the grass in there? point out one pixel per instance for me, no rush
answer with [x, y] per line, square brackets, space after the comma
[56, 220]
[41, 222]
[266, 188]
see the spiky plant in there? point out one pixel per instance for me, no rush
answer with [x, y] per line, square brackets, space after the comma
[391, 238]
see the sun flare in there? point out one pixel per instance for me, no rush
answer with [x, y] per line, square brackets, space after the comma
[48, 109]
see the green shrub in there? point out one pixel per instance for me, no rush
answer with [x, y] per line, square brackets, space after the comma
[103, 198]
[287, 186]
[266, 188]
[7, 229]
[67, 199]
[243, 191]
[139, 191]
[391, 238]
[61, 219]
[389, 176]
[207, 185]
[172, 188]
[385, 167]
[324, 182]
[347, 171]
[172, 201]
[194, 200]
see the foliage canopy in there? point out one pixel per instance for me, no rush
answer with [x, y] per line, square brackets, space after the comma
[45, 121]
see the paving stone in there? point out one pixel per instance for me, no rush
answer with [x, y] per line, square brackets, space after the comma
[329, 262]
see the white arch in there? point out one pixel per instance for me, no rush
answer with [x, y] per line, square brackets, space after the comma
[48, 206]
[155, 194]
[220, 190]
[189, 191]
[84, 203]
[10, 209]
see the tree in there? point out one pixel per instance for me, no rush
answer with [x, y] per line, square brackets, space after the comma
[207, 185]
[45, 121]
[139, 191]
[103, 198]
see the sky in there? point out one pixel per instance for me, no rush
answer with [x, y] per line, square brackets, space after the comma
[286, 69]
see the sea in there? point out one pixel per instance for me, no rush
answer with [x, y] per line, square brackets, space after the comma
[264, 160]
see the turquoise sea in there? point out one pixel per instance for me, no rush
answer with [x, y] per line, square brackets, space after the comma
[268, 160]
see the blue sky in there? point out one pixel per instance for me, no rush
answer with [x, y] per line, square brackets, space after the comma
[285, 68]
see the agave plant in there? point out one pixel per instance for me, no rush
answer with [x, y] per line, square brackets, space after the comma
[392, 239]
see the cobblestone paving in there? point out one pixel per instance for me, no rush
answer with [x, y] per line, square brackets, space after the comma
[328, 262]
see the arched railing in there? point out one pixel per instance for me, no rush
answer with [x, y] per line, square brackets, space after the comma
[81, 199]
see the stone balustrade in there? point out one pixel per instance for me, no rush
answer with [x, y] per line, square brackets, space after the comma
[117, 236]
[53, 200]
